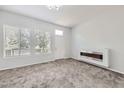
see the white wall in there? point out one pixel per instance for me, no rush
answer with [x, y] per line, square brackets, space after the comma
[103, 31]
[60, 43]
[30, 23]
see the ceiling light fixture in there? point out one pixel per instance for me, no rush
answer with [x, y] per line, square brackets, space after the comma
[54, 7]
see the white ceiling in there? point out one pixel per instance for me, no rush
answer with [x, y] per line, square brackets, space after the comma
[68, 16]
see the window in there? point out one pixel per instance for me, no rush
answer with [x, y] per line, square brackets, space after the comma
[24, 42]
[11, 41]
[18, 41]
[42, 42]
[58, 32]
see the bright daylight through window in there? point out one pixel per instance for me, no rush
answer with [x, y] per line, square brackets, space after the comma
[22, 41]
[58, 32]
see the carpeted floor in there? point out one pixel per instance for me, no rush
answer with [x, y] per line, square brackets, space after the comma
[60, 74]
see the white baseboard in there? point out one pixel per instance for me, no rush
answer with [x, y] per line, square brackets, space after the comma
[107, 68]
[24, 65]
[115, 71]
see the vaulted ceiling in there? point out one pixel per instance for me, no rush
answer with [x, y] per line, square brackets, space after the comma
[68, 15]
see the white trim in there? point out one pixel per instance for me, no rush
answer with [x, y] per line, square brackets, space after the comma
[114, 70]
[104, 67]
[27, 64]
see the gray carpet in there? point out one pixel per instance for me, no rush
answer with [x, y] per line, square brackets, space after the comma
[60, 74]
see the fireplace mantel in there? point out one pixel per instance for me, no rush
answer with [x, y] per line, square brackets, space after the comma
[95, 56]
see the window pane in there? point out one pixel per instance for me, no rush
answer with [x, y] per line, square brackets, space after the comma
[19, 42]
[25, 42]
[42, 42]
[11, 41]
[58, 32]
[47, 43]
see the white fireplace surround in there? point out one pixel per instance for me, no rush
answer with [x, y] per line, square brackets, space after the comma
[104, 52]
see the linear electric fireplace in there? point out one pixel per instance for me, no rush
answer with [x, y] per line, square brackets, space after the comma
[94, 55]
[97, 56]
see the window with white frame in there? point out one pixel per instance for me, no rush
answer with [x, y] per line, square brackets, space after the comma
[18, 41]
[42, 42]
[24, 41]
[11, 41]
[58, 32]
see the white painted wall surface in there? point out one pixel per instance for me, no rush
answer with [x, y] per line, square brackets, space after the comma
[60, 43]
[30, 23]
[105, 30]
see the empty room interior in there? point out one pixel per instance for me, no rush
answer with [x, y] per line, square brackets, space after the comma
[61, 46]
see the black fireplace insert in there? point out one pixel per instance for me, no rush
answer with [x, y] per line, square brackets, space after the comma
[92, 55]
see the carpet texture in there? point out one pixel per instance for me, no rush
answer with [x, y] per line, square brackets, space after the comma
[67, 73]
